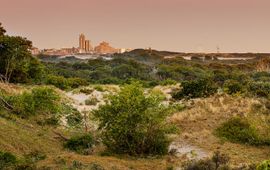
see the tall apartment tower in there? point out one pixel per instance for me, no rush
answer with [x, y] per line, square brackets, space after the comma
[88, 47]
[82, 42]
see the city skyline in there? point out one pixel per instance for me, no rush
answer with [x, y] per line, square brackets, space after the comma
[174, 25]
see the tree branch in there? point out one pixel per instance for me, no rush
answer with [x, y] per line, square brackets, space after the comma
[6, 105]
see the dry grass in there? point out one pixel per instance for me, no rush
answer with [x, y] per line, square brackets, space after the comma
[11, 88]
[204, 115]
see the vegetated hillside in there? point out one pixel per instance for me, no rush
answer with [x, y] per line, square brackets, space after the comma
[153, 112]
[23, 137]
[203, 116]
[197, 124]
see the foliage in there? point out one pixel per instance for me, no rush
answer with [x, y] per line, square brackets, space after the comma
[57, 81]
[133, 123]
[41, 100]
[168, 82]
[196, 88]
[217, 162]
[233, 87]
[77, 82]
[91, 101]
[74, 119]
[260, 89]
[86, 91]
[34, 156]
[2, 30]
[16, 62]
[95, 166]
[99, 88]
[7, 160]
[239, 130]
[80, 144]
[265, 165]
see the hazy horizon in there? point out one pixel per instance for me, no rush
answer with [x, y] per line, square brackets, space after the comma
[173, 25]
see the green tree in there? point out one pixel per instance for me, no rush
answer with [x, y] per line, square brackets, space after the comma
[133, 123]
[14, 52]
[2, 30]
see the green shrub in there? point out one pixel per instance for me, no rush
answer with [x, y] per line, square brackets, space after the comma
[76, 82]
[239, 130]
[77, 165]
[7, 160]
[217, 162]
[265, 165]
[133, 123]
[58, 81]
[260, 89]
[91, 101]
[99, 88]
[86, 91]
[51, 120]
[233, 87]
[80, 144]
[168, 82]
[196, 88]
[46, 99]
[74, 119]
[43, 100]
[34, 157]
[95, 166]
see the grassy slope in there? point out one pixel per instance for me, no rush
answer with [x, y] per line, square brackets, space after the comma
[199, 121]
[21, 137]
[197, 124]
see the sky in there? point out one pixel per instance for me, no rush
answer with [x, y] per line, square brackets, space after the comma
[174, 25]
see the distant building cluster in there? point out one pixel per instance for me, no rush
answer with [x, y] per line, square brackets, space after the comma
[85, 47]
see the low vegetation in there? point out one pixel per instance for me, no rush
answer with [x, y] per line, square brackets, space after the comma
[40, 100]
[80, 144]
[241, 131]
[217, 162]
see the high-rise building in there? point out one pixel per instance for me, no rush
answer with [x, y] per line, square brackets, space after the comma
[84, 45]
[82, 42]
[88, 46]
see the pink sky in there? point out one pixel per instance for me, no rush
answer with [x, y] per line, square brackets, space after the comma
[177, 25]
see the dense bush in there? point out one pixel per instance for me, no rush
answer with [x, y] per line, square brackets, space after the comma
[168, 82]
[41, 100]
[80, 144]
[76, 82]
[260, 89]
[233, 87]
[91, 101]
[74, 119]
[65, 83]
[239, 130]
[34, 157]
[58, 81]
[265, 165]
[217, 162]
[7, 160]
[133, 123]
[196, 88]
